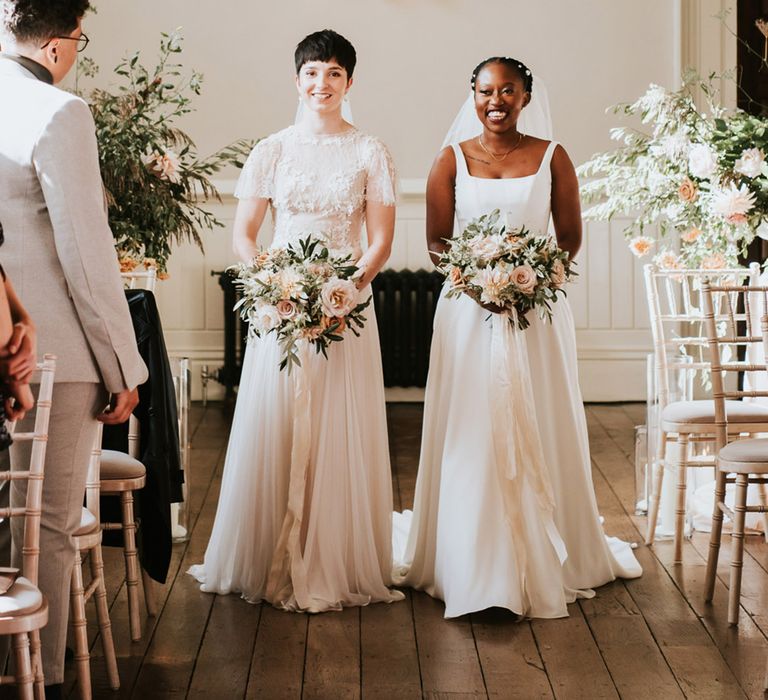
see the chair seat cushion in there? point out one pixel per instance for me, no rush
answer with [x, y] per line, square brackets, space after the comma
[704, 412]
[753, 451]
[118, 465]
[22, 598]
[88, 523]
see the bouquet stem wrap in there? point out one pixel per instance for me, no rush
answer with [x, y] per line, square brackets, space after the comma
[519, 453]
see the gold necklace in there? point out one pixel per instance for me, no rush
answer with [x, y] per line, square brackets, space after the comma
[498, 159]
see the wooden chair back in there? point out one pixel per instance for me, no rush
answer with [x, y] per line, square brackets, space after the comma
[140, 279]
[32, 509]
[730, 324]
[676, 313]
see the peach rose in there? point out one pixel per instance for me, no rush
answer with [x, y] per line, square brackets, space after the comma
[327, 321]
[688, 190]
[690, 235]
[338, 297]
[558, 274]
[261, 259]
[736, 218]
[716, 261]
[287, 309]
[641, 245]
[455, 277]
[524, 278]
[127, 264]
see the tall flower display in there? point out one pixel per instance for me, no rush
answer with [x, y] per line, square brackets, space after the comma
[156, 184]
[700, 176]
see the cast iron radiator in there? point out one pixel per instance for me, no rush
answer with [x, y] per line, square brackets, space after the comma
[405, 302]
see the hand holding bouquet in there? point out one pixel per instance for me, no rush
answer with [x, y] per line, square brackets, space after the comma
[300, 293]
[511, 269]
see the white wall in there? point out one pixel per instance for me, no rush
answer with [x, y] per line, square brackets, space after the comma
[415, 57]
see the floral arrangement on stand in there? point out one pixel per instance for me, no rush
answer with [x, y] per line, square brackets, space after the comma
[701, 175]
[300, 293]
[510, 268]
[155, 181]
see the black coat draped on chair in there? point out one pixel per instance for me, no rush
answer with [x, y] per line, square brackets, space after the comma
[158, 445]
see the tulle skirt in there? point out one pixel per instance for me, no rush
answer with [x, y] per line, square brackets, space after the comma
[304, 516]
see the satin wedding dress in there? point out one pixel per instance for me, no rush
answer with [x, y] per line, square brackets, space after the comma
[304, 515]
[496, 525]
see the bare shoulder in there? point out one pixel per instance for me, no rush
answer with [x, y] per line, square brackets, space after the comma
[445, 163]
[561, 161]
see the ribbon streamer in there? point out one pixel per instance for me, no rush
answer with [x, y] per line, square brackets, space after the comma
[288, 575]
[516, 438]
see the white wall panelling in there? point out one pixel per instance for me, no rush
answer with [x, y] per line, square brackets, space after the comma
[591, 54]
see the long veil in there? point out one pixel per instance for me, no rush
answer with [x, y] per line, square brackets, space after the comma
[535, 119]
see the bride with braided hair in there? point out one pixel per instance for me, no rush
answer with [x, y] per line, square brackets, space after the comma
[505, 512]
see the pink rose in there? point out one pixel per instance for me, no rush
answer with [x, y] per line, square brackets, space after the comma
[338, 297]
[524, 278]
[558, 274]
[286, 309]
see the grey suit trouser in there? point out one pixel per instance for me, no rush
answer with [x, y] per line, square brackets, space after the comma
[71, 434]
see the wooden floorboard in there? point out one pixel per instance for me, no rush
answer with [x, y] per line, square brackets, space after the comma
[652, 637]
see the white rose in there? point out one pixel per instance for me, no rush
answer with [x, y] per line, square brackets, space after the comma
[266, 317]
[485, 247]
[750, 163]
[338, 297]
[524, 278]
[702, 161]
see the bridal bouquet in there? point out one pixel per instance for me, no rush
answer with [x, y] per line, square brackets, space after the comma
[300, 292]
[511, 268]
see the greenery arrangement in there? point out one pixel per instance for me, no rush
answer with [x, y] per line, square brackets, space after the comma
[699, 174]
[156, 183]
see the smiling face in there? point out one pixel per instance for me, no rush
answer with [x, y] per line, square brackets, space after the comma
[322, 85]
[500, 96]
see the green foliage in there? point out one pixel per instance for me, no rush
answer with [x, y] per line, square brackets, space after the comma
[155, 181]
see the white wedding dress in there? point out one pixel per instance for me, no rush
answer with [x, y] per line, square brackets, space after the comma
[304, 515]
[497, 524]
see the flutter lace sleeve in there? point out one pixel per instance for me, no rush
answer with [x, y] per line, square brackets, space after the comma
[257, 178]
[381, 185]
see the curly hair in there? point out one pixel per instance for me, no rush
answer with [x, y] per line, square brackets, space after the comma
[323, 46]
[34, 20]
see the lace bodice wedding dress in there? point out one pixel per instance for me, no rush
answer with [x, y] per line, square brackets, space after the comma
[498, 524]
[304, 515]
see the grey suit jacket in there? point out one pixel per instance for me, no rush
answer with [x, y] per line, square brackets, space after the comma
[59, 251]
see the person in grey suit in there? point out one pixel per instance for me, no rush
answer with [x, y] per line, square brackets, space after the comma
[59, 252]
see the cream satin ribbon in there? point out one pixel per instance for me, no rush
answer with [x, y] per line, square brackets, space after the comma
[288, 574]
[516, 439]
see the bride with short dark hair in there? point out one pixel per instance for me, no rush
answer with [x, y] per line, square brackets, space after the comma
[304, 515]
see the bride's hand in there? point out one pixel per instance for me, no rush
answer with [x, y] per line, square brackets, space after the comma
[493, 308]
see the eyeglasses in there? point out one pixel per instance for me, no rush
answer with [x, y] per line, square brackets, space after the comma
[82, 40]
